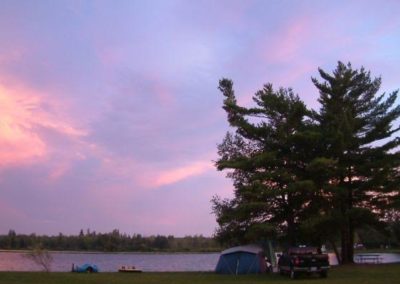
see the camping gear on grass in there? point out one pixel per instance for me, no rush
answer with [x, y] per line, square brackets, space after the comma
[126, 268]
[87, 267]
[247, 259]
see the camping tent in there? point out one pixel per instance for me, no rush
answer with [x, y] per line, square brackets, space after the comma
[241, 260]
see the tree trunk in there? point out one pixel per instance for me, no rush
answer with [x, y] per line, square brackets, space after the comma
[350, 243]
[350, 248]
[347, 231]
[345, 235]
[344, 246]
[291, 231]
[347, 244]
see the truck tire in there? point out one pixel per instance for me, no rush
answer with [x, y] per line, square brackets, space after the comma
[323, 274]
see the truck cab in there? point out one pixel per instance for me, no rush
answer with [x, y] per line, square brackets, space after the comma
[303, 260]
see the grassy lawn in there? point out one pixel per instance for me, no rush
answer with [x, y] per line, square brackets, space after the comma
[352, 274]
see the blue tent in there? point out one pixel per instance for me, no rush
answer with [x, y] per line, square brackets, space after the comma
[241, 260]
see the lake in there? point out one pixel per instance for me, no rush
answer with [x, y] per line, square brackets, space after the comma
[109, 262]
[151, 262]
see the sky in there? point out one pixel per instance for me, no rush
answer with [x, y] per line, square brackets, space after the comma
[110, 113]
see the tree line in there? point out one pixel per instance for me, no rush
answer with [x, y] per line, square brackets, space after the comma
[108, 242]
[312, 176]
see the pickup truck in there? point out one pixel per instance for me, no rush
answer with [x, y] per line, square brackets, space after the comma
[306, 260]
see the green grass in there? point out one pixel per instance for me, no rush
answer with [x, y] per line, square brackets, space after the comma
[352, 274]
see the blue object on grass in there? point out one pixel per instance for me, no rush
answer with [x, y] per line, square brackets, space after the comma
[87, 267]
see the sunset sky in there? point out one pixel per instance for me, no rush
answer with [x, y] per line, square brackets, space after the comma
[110, 113]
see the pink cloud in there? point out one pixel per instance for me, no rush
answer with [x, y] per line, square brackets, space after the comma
[175, 175]
[284, 46]
[22, 114]
[18, 143]
[147, 175]
[59, 171]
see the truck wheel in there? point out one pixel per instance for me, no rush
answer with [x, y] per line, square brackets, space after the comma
[323, 274]
[293, 274]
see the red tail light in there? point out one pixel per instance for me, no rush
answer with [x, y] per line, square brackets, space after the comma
[296, 261]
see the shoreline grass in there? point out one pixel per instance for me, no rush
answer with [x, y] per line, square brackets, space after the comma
[348, 274]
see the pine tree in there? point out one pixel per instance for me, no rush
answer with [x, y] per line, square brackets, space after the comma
[267, 157]
[357, 127]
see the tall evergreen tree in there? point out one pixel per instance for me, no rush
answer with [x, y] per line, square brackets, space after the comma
[267, 157]
[357, 127]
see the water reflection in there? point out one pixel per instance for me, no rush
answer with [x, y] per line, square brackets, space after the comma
[108, 262]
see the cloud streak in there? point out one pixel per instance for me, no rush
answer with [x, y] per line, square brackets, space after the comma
[175, 175]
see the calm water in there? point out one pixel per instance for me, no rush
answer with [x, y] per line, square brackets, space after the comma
[109, 262]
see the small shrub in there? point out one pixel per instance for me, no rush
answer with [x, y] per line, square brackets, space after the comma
[41, 257]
